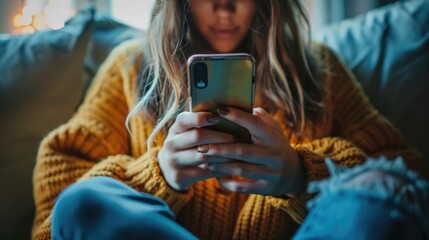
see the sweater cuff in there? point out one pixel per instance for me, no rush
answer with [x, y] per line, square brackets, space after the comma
[145, 176]
[296, 207]
[313, 156]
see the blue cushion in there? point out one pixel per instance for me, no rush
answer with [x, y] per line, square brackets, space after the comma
[108, 32]
[388, 51]
[41, 82]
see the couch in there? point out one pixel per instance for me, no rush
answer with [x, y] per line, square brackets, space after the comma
[43, 77]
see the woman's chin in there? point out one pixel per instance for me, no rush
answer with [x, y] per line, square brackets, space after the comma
[224, 48]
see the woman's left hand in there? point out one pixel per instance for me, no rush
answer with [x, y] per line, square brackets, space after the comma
[269, 166]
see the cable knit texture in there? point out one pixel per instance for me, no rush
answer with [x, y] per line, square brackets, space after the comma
[95, 142]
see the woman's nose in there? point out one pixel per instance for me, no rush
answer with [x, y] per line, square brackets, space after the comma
[224, 7]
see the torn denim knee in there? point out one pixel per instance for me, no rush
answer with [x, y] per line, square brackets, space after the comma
[398, 184]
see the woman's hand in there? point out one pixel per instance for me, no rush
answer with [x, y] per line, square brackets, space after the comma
[270, 166]
[180, 158]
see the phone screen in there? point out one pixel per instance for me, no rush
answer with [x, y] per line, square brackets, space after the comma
[222, 80]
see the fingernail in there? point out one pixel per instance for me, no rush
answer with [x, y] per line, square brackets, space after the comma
[203, 148]
[204, 166]
[222, 110]
[213, 118]
[257, 111]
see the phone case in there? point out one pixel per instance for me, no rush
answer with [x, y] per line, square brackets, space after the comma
[229, 81]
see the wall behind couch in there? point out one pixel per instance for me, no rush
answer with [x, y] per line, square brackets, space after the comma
[8, 10]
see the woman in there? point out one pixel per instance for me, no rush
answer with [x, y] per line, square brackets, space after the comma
[132, 184]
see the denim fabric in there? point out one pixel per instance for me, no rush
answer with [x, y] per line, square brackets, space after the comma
[354, 215]
[104, 208]
[392, 207]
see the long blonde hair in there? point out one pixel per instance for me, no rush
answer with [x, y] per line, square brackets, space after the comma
[286, 73]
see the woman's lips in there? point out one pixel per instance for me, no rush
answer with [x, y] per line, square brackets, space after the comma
[224, 33]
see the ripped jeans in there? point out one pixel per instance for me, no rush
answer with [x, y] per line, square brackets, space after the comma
[354, 203]
[380, 199]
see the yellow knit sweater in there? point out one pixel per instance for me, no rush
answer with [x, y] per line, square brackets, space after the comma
[95, 142]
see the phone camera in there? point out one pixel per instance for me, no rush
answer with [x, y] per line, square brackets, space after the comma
[200, 75]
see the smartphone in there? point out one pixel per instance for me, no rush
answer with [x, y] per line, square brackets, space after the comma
[222, 80]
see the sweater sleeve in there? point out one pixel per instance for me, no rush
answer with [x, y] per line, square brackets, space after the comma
[358, 132]
[93, 143]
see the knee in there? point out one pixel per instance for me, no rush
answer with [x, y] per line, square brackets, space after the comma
[82, 209]
[82, 202]
[99, 198]
[369, 177]
[377, 180]
[106, 206]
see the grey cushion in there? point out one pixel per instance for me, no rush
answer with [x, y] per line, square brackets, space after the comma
[388, 51]
[41, 82]
[108, 32]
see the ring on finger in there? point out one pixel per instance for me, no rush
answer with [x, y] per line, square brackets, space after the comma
[203, 148]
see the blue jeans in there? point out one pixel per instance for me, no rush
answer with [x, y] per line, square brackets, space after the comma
[380, 199]
[105, 208]
[391, 208]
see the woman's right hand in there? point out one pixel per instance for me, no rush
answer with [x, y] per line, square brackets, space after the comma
[181, 158]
